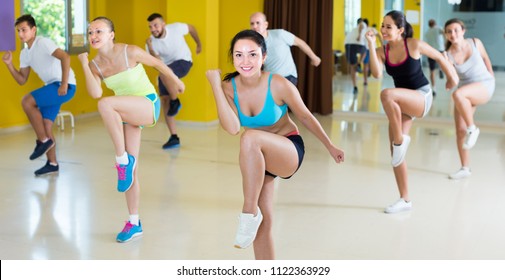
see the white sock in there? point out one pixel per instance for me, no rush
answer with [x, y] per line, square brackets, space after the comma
[53, 163]
[45, 140]
[123, 159]
[134, 219]
[466, 168]
[472, 127]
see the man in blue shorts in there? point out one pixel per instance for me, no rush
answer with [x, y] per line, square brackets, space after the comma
[42, 105]
[168, 44]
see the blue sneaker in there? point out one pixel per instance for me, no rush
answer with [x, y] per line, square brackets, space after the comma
[125, 174]
[129, 232]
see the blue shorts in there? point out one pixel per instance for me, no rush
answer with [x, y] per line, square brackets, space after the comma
[367, 57]
[180, 68]
[153, 97]
[48, 100]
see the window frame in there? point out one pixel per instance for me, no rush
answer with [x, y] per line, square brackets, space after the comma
[69, 47]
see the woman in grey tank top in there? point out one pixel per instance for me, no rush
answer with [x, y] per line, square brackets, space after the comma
[476, 86]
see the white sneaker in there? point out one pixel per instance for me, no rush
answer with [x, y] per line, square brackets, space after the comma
[471, 138]
[461, 174]
[400, 151]
[248, 225]
[399, 206]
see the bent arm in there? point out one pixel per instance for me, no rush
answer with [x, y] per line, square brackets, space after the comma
[315, 60]
[194, 35]
[227, 116]
[93, 82]
[65, 65]
[167, 76]
[376, 55]
[485, 56]
[21, 75]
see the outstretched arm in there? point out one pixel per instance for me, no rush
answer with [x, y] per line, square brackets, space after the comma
[21, 75]
[452, 76]
[194, 34]
[292, 98]
[227, 116]
[315, 60]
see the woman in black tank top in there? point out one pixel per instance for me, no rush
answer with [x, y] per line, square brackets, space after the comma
[411, 97]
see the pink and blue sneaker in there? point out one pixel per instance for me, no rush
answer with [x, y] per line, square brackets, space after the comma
[125, 174]
[129, 232]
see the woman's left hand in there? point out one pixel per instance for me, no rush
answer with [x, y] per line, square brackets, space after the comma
[337, 154]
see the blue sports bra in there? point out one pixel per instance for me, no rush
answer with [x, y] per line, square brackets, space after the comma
[269, 115]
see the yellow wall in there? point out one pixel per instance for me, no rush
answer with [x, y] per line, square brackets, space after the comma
[414, 5]
[338, 25]
[216, 21]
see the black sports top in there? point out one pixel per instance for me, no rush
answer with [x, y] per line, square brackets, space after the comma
[408, 73]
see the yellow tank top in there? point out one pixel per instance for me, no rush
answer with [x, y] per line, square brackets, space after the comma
[133, 81]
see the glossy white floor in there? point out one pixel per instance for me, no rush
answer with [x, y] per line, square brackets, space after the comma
[191, 196]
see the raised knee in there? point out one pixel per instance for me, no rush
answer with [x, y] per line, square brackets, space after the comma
[386, 95]
[103, 104]
[248, 139]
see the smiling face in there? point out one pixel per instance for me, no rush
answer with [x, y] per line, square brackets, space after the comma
[454, 32]
[99, 33]
[247, 57]
[389, 29]
[26, 33]
[157, 27]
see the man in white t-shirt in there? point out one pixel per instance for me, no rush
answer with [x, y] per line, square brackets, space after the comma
[279, 41]
[355, 43]
[168, 44]
[42, 105]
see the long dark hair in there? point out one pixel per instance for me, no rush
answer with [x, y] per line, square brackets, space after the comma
[400, 21]
[449, 22]
[245, 34]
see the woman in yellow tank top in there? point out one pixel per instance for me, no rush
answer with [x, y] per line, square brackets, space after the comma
[134, 105]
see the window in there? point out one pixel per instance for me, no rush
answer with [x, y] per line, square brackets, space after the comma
[65, 22]
[352, 14]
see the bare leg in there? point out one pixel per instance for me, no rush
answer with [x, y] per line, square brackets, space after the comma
[464, 155]
[170, 121]
[467, 97]
[264, 242]
[398, 101]
[134, 110]
[400, 171]
[132, 139]
[34, 116]
[51, 153]
[260, 151]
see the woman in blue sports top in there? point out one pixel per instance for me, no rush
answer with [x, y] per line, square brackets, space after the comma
[270, 145]
[412, 95]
